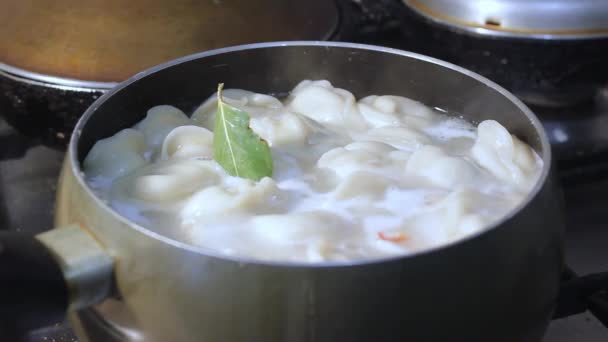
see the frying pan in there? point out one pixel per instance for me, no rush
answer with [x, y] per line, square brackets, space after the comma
[501, 284]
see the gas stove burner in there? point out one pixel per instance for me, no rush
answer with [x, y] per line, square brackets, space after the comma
[578, 137]
[519, 44]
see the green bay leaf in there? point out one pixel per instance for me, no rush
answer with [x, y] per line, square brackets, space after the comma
[236, 147]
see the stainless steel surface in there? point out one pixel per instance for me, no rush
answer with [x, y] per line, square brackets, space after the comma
[110, 40]
[34, 78]
[543, 19]
[86, 266]
[180, 292]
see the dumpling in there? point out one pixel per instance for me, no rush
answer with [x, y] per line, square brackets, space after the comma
[448, 219]
[159, 121]
[297, 227]
[370, 146]
[236, 196]
[458, 212]
[344, 162]
[407, 106]
[471, 223]
[281, 129]
[455, 206]
[116, 156]
[362, 183]
[402, 138]
[316, 232]
[174, 180]
[329, 106]
[187, 142]
[358, 156]
[433, 164]
[504, 155]
[391, 110]
[253, 103]
[376, 117]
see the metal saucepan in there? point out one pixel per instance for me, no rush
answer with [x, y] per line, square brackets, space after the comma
[498, 285]
[548, 52]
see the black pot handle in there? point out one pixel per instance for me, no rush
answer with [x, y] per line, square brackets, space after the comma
[33, 292]
[45, 274]
[579, 294]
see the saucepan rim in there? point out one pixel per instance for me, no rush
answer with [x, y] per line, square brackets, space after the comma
[545, 153]
[51, 81]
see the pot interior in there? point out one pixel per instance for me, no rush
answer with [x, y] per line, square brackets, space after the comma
[275, 68]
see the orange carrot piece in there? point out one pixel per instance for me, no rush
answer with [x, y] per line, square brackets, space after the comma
[395, 237]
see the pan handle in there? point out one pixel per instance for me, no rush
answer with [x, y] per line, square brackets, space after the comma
[34, 292]
[42, 276]
[579, 294]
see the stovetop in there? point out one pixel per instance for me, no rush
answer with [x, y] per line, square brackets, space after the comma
[29, 171]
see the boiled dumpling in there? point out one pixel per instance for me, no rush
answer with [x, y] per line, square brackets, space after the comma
[391, 110]
[446, 219]
[504, 155]
[205, 113]
[253, 103]
[458, 212]
[358, 156]
[175, 180]
[344, 162]
[374, 116]
[281, 129]
[402, 138]
[187, 142]
[116, 156]
[470, 224]
[310, 233]
[433, 164]
[454, 206]
[404, 105]
[362, 183]
[159, 121]
[236, 196]
[370, 146]
[332, 107]
[314, 230]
